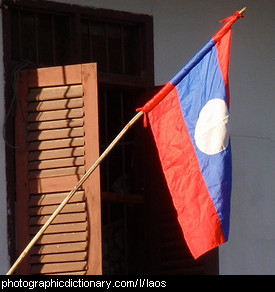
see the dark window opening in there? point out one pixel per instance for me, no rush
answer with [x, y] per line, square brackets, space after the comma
[47, 40]
[135, 238]
[40, 38]
[117, 48]
[117, 108]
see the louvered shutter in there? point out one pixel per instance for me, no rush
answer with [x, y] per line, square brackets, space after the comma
[57, 134]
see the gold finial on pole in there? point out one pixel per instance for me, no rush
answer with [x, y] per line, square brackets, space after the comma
[242, 10]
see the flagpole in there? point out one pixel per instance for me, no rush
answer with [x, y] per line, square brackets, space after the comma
[73, 191]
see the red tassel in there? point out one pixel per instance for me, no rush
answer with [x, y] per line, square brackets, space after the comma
[237, 13]
[145, 122]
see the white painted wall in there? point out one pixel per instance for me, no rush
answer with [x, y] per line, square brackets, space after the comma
[4, 258]
[251, 246]
[181, 28]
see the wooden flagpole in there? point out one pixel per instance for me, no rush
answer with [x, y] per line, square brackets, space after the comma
[73, 191]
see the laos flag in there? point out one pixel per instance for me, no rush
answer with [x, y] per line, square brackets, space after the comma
[189, 119]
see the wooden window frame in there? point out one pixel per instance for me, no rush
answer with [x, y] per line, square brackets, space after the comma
[75, 12]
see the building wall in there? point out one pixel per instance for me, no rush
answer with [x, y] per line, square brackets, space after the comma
[251, 246]
[4, 258]
[181, 28]
[250, 249]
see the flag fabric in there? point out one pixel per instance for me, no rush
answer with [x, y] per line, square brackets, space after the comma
[189, 119]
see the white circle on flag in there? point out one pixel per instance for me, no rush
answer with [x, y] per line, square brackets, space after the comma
[212, 128]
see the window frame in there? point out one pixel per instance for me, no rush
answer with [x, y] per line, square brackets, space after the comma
[76, 12]
[145, 81]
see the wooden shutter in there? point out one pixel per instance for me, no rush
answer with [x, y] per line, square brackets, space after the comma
[57, 135]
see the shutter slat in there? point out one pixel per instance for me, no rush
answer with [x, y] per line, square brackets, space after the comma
[55, 105]
[55, 115]
[56, 134]
[64, 257]
[59, 228]
[49, 93]
[48, 210]
[61, 218]
[59, 267]
[59, 153]
[63, 171]
[56, 163]
[55, 124]
[60, 248]
[55, 144]
[54, 184]
[63, 237]
[54, 198]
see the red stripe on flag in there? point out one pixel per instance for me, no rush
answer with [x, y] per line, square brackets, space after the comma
[196, 212]
[223, 47]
